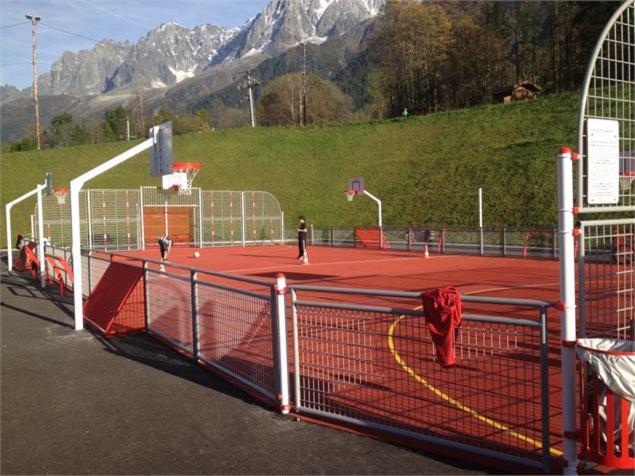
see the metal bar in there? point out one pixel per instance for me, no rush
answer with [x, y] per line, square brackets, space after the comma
[194, 291]
[89, 218]
[242, 217]
[8, 208]
[142, 219]
[244, 292]
[416, 295]
[200, 218]
[279, 291]
[504, 241]
[568, 302]
[40, 237]
[296, 349]
[146, 293]
[447, 443]
[544, 391]
[409, 239]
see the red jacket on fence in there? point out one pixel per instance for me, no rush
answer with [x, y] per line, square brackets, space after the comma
[442, 308]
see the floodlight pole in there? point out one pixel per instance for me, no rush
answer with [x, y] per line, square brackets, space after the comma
[37, 190]
[75, 187]
[378, 201]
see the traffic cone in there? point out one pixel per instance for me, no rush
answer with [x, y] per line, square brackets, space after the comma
[426, 253]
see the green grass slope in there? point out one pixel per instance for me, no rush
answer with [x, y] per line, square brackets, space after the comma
[426, 170]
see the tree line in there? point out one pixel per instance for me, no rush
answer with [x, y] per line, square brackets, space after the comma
[421, 57]
[118, 124]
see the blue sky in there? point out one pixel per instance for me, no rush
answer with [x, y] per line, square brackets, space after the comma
[116, 19]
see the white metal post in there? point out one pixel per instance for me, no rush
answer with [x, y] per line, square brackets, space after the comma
[8, 208]
[141, 222]
[242, 217]
[567, 308]
[76, 185]
[281, 291]
[378, 201]
[480, 218]
[40, 237]
[200, 218]
[282, 228]
[89, 218]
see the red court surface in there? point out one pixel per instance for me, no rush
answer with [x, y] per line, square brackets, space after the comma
[380, 367]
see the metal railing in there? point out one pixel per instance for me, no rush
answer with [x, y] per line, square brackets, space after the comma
[374, 366]
[524, 242]
[369, 365]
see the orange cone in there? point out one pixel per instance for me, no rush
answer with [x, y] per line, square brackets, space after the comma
[426, 253]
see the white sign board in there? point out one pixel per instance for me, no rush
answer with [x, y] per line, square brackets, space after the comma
[603, 161]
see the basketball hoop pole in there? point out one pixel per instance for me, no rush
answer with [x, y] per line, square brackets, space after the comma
[37, 190]
[378, 202]
[76, 186]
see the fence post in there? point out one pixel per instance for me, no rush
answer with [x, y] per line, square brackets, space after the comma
[409, 238]
[544, 390]
[282, 240]
[194, 291]
[281, 364]
[554, 241]
[332, 237]
[146, 295]
[481, 241]
[567, 306]
[504, 241]
[312, 235]
[242, 218]
[296, 350]
[88, 270]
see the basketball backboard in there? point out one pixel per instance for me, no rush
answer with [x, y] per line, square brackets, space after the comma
[357, 185]
[48, 180]
[161, 151]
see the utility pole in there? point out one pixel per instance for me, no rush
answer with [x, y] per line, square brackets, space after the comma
[34, 21]
[249, 85]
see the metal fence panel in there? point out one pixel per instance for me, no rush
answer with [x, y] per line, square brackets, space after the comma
[235, 335]
[115, 218]
[607, 279]
[169, 308]
[378, 369]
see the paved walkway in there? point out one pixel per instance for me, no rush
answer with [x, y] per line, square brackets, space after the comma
[73, 403]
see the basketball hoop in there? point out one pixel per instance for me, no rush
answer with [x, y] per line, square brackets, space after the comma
[60, 194]
[626, 182]
[183, 174]
[350, 194]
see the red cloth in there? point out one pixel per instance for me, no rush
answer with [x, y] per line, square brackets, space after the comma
[442, 308]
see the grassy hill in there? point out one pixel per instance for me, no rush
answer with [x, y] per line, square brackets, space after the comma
[426, 170]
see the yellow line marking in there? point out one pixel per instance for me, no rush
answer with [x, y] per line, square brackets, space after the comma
[455, 403]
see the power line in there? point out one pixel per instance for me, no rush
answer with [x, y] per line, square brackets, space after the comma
[6, 27]
[80, 36]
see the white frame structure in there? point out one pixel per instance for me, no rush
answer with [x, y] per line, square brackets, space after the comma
[40, 250]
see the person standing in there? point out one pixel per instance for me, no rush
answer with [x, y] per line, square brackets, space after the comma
[302, 239]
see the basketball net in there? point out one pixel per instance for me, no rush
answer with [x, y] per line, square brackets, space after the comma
[60, 194]
[350, 194]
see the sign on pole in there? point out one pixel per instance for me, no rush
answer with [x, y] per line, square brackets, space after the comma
[603, 159]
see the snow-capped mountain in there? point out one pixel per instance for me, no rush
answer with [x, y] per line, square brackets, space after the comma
[285, 23]
[166, 56]
[171, 53]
